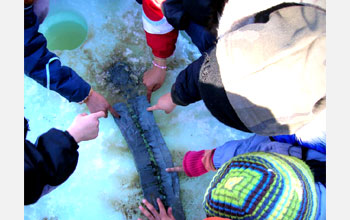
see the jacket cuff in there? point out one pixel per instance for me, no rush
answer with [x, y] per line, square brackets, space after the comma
[176, 98]
[162, 45]
[76, 89]
[71, 139]
[192, 163]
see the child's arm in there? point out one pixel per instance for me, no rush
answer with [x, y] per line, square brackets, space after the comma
[50, 162]
[184, 91]
[44, 66]
[196, 163]
[53, 158]
[161, 37]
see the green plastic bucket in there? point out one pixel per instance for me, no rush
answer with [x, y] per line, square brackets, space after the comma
[65, 30]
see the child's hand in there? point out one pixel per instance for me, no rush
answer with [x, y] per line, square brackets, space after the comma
[85, 127]
[153, 80]
[96, 102]
[162, 215]
[164, 103]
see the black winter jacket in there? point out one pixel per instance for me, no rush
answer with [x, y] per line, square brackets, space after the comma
[50, 161]
[201, 80]
[179, 13]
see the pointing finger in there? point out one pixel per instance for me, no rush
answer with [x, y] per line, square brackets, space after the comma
[98, 114]
[155, 107]
[175, 169]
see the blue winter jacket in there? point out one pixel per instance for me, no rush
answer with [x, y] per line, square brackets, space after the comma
[319, 144]
[44, 66]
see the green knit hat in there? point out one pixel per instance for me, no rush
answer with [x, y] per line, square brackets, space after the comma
[262, 186]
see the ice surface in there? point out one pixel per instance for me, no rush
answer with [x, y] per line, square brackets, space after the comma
[105, 184]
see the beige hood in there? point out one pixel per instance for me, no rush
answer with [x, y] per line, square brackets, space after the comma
[235, 11]
[274, 73]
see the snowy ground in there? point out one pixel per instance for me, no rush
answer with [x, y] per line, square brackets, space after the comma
[105, 184]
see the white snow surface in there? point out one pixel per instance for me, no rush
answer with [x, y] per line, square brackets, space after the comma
[105, 184]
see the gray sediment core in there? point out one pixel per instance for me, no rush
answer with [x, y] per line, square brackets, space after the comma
[147, 145]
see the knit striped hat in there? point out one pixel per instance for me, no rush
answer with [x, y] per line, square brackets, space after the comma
[262, 186]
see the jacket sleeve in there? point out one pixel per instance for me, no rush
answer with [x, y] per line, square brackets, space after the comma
[50, 161]
[317, 143]
[185, 90]
[37, 58]
[174, 12]
[160, 35]
[255, 143]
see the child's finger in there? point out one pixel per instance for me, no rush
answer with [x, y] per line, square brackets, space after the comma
[146, 213]
[170, 213]
[175, 169]
[161, 206]
[150, 208]
[99, 114]
[155, 107]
